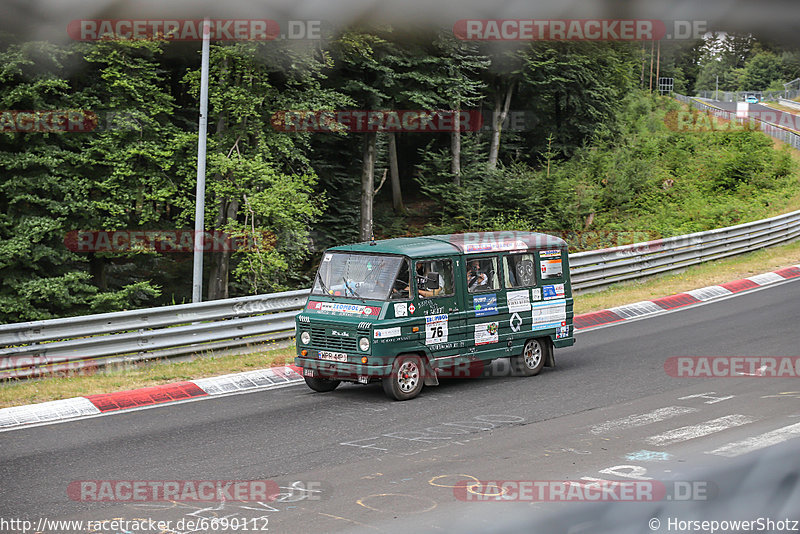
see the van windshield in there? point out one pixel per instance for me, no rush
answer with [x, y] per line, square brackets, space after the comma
[364, 276]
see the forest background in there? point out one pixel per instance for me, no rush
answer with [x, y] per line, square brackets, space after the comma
[574, 143]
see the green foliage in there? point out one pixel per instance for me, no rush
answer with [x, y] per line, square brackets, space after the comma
[647, 179]
[52, 182]
[596, 156]
[261, 181]
[575, 89]
[761, 71]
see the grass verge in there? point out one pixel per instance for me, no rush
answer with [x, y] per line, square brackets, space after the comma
[14, 393]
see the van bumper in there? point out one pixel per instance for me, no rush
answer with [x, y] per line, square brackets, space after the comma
[342, 370]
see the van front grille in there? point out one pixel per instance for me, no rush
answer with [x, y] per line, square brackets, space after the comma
[321, 340]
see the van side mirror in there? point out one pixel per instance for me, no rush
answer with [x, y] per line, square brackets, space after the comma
[432, 281]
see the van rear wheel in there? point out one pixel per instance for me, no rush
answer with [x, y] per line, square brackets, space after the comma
[322, 385]
[531, 361]
[405, 382]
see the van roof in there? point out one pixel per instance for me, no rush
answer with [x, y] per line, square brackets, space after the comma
[470, 243]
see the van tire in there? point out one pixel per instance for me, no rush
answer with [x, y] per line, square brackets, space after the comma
[532, 358]
[406, 380]
[321, 385]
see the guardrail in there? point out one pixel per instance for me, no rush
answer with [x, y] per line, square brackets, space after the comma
[789, 103]
[597, 269]
[787, 135]
[75, 343]
[738, 96]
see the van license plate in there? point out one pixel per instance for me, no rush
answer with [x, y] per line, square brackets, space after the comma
[332, 356]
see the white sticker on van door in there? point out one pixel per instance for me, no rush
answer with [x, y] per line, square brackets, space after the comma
[519, 301]
[401, 309]
[486, 333]
[549, 314]
[383, 333]
[436, 329]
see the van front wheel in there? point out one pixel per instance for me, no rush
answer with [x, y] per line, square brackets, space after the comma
[531, 361]
[406, 380]
[322, 385]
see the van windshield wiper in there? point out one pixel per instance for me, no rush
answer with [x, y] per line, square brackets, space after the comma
[327, 291]
[353, 291]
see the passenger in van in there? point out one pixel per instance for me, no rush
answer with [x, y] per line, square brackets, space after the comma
[402, 285]
[476, 279]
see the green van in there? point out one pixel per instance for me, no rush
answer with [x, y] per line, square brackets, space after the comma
[409, 311]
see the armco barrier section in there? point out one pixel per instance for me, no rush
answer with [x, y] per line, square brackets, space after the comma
[789, 103]
[598, 269]
[71, 344]
[75, 343]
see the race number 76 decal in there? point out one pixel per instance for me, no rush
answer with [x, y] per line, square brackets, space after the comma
[435, 329]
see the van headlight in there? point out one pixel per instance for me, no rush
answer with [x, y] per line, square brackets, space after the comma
[363, 344]
[305, 338]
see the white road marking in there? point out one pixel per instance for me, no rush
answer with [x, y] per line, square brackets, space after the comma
[758, 442]
[637, 309]
[766, 278]
[710, 292]
[261, 379]
[697, 431]
[628, 471]
[46, 412]
[711, 400]
[633, 421]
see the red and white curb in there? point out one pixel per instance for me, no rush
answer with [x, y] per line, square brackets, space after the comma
[92, 405]
[277, 377]
[672, 302]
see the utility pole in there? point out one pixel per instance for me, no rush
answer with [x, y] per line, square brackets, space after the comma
[716, 89]
[652, 48]
[200, 199]
[658, 68]
[644, 60]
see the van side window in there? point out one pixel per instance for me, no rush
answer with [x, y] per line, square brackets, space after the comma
[520, 270]
[434, 278]
[482, 274]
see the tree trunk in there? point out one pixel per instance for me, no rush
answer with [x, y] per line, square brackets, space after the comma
[394, 175]
[500, 114]
[220, 260]
[97, 268]
[455, 149]
[367, 185]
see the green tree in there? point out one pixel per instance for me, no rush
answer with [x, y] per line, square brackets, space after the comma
[576, 89]
[261, 182]
[760, 72]
[46, 192]
[365, 75]
[131, 160]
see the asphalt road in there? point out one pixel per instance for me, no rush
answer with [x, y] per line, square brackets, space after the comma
[351, 460]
